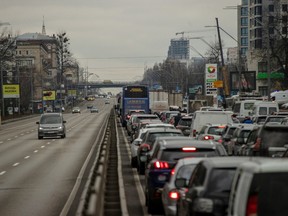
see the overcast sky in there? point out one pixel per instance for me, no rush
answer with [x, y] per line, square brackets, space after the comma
[117, 39]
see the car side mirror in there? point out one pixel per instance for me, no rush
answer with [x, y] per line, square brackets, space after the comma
[180, 183]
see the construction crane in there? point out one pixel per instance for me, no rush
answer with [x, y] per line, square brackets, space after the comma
[196, 31]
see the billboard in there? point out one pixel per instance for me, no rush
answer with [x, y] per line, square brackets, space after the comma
[49, 95]
[11, 91]
[211, 71]
[247, 81]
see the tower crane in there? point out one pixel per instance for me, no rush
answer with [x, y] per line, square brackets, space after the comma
[196, 31]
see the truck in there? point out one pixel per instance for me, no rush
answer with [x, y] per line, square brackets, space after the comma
[158, 100]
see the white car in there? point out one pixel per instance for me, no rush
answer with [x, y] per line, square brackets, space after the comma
[284, 106]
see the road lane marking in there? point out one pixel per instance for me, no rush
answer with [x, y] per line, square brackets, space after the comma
[2, 173]
[1, 142]
[42, 146]
[15, 164]
[35, 151]
[27, 157]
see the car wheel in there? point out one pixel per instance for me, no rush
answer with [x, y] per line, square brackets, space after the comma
[63, 136]
[40, 137]
[133, 162]
[141, 169]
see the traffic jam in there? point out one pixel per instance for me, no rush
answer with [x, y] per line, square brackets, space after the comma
[211, 161]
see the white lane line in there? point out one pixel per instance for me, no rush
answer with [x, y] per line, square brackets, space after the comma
[15, 164]
[2, 173]
[35, 151]
[48, 143]
[27, 157]
[9, 139]
[1, 142]
[42, 146]
[22, 134]
[16, 136]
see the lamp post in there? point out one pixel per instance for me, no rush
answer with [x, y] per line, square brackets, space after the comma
[63, 54]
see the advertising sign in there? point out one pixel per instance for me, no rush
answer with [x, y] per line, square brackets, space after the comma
[49, 95]
[211, 71]
[247, 81]
[11, 91]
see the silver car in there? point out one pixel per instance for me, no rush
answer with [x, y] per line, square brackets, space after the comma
[51, 125]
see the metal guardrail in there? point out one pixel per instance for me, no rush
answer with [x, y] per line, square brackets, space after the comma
[93, 201]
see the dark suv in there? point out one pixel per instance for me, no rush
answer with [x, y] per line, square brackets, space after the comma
[209, 187]
[166, 153]
[267, 140]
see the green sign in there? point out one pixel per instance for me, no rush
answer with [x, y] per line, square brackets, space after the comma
[273, 75]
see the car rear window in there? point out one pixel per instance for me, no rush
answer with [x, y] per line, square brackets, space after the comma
[216, 130]
[272, 190]
[185, 171]
[185, 122]
[274, 136]
[220, 180]
[174, 154]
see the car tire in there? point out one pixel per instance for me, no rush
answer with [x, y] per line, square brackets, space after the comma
[134, 162]
[63, 136]
[40, 137]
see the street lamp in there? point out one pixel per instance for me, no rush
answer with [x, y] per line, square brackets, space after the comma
[63, 54]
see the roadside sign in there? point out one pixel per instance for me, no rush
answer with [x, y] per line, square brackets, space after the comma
[218, 84]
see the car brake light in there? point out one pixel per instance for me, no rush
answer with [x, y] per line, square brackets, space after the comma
[144, 147]
[207, 137]
[173, 194]
[173, 171]
[220, 140]
[252, 205]
[257, 144]
[161, 165]
[189, 149]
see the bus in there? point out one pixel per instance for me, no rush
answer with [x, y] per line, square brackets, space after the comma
[134, 97]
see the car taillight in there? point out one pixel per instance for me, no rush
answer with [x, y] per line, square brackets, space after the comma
[208, 137]
[173, 171]
[144, 147]
[161, 165]
[189, 149]
[252, 205]
[128, 116]
[257, 144]
[220, 140]
[173, 194]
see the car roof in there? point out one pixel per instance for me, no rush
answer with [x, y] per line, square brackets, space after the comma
[189, 160]
[223, 162]
[51, 114]
[186, 142]
[262, 165]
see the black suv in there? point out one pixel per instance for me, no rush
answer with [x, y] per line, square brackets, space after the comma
[266, 140]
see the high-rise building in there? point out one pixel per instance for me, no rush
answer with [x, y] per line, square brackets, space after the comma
[179, 49]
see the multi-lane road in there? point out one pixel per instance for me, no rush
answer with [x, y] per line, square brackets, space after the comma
[48, 177]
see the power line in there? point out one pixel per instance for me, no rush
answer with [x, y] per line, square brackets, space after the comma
[125, 57]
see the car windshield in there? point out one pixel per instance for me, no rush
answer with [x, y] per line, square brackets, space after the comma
[185, 122]
[50, 119]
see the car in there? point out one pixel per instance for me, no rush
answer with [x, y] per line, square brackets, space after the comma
[211, 131]
[94, 109]
[259, 120]
[226, 137]
[274, 119]
[89, 106]
[201, 118]
[134, 120]
[76, 110]
[266, 140]
[165, 154]
[107, 101]
[171, 192]
[148, 141]
[239, 138]
[259, 187]
[209, 186]
[51, 125]
[184, 124]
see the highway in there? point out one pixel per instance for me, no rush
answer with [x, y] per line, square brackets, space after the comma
[46, 177]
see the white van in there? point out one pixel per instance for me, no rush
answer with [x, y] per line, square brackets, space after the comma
[201, 118]
[243, 108]
[264, 108]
